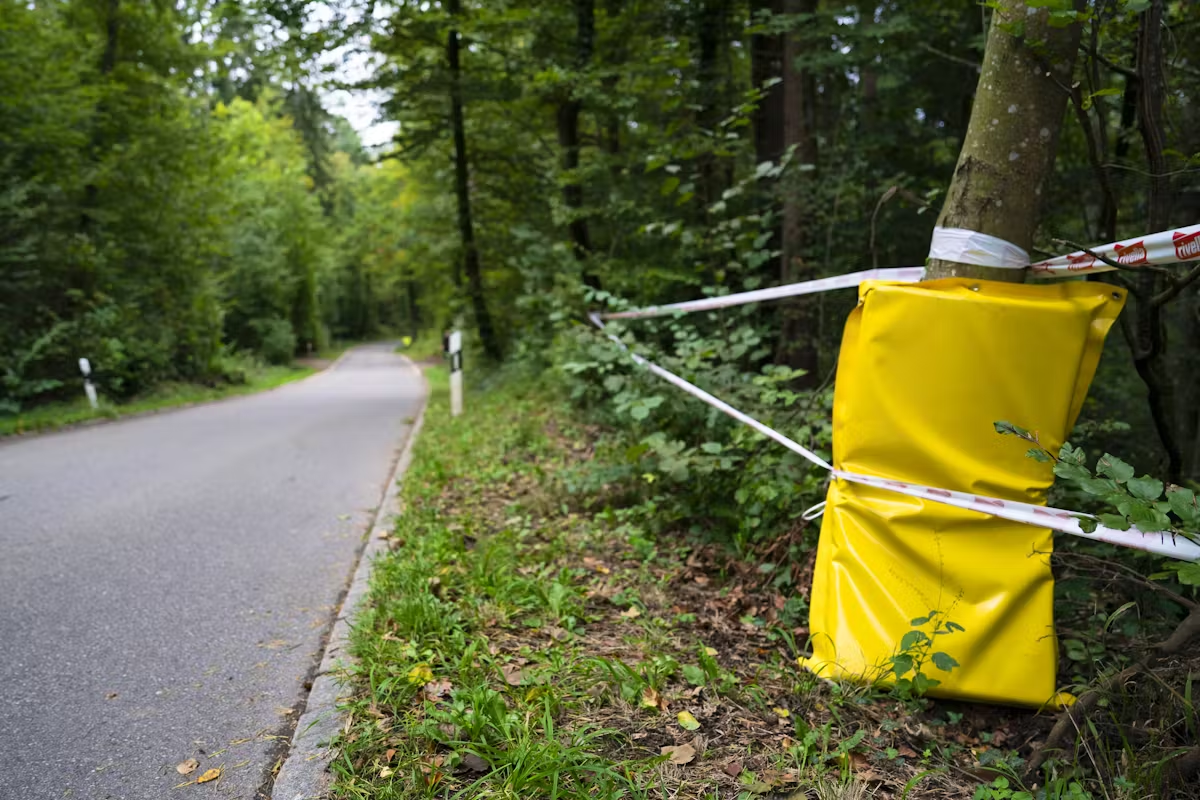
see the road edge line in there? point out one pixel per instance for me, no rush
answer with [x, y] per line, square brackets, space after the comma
[304, 774]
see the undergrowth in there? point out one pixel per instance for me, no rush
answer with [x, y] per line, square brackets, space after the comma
[520, 642]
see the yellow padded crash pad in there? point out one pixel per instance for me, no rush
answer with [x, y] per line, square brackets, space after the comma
[925, 371]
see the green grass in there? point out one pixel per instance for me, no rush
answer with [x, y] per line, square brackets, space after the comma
[513, 646]
[57, 415]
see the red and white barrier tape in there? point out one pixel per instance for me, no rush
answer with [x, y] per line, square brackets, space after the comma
[898, 274]
[1165, 247]
[1164, 544]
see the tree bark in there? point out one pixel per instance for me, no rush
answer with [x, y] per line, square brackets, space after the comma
[1013, 134]
[1149, 327]
[712, 39]
[466, 227]
[766, 62]
[798, 344]
[108, 62]
[568, 140]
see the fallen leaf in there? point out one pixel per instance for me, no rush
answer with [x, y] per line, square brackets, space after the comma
[906, 752]
[187, 767]
[783, 713]
[111, 696]
[475, 763]
[710, 651]
[680, 754]
[436, 690]
[650, 697]
[389, 754]
[386, 772]
[687, 721]
[211, 775]
[631, 613]
[421, 673]
[558, 634]
[513, 675]
[733, 769]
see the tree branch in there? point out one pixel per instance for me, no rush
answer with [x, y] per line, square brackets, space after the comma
[966, 62]
[1112, 263]
[1177, 286]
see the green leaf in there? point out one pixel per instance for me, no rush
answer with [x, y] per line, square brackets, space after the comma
[912, 639]
[922, 683]
[1117, 522]
[919, 621]
[1071, 472]
[1087, 524]
[1005, 428]
[901, 665]
[1145, 487]
[712, 447]
[693, 675]
[687, 721]
[1189, 574]
[669, 185]
[1149, 519]
[944, 661]
[1038, 454]
[1183, 503]
[1100, 487]
[1114, 468]
[954, 626]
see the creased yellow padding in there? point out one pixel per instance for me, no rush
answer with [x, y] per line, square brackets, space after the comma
[925, 370]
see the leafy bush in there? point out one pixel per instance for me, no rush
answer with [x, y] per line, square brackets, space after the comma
[276, 340]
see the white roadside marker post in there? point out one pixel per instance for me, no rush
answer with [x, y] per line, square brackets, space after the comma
[456, 376]
[89, 389]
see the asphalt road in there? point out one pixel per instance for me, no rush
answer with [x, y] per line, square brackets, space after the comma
[166, 582]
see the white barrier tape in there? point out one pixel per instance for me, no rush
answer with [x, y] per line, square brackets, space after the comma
[716, 403]
[1164, 247]
[899, 274]
[970, 247]
[1039, 516]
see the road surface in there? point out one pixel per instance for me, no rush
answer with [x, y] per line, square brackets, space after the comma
[166, 582]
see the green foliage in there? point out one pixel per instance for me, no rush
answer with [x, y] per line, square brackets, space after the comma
[916, 653]
[149, 226]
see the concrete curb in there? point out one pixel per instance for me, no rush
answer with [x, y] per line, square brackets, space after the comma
[305, 772]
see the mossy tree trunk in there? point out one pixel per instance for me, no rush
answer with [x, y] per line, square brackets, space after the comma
[1013, 133]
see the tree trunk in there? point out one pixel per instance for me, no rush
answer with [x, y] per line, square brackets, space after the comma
[1147, 334]
[798, 345]
[568, 139]
[108, 62]
[766, 63]
[466, 228]
[712, 38]
[1013, 134]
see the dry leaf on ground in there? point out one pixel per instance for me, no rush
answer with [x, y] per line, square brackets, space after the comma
[187, 767]
[475, 763]
[680, 754]
[211, 775]
[513, 675]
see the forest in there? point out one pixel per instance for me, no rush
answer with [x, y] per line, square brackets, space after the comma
[177, 203]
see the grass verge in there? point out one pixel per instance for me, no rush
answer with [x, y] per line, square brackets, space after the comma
[58, 415]
[517, 645]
